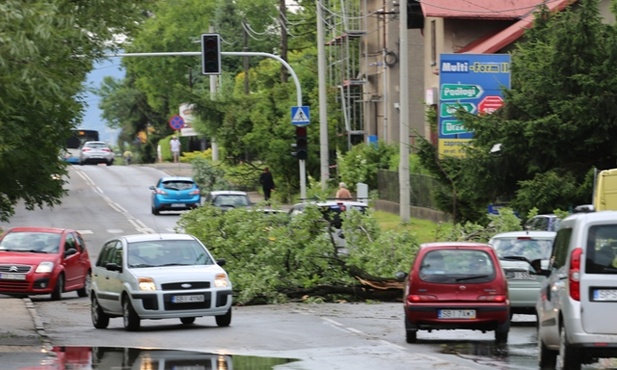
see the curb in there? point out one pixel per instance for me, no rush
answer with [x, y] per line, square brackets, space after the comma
[38, 326]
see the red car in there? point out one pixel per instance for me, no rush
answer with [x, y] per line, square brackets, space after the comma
[456, 285]
[42, 260]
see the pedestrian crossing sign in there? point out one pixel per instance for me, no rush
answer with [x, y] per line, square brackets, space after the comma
[300, 116]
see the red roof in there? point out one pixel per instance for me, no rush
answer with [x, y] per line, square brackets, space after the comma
[482, 9]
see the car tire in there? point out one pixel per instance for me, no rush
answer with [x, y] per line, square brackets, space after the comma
[83, 292]
[411, 336]
[109, 163]
[155, 211]
[187, 320]
[547, 359]
[100, 320]
[569, 357]
[132, 322]
[501, 332]
[224, 320]
[56, 295]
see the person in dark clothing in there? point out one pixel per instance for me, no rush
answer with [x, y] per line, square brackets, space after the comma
[267, 183]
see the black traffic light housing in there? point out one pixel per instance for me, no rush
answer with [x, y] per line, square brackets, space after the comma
[301, 143]
[210, 54]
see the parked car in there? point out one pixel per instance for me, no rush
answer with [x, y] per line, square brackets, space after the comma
[579, 296]
[41, 260]
[175, 194]
[96, 152]
[543, 223]
[228, 199]
[456, 285]
[518, 251]
[158, 276]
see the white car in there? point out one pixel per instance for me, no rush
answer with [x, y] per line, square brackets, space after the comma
[158, 276]
[96, 152]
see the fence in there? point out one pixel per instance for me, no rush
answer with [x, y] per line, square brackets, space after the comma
[421, 192]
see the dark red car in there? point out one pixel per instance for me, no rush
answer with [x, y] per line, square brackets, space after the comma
[42, 260]
[456, 285]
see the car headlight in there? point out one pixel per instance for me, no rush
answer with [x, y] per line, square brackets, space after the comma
[146, 283]
[221, 281]
[45, 267]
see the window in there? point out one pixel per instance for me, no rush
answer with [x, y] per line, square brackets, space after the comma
[600, 254]
[560, 247]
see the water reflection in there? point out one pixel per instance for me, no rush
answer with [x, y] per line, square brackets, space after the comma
[83, 358]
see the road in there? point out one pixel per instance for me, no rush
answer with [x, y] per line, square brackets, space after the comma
[104, 201]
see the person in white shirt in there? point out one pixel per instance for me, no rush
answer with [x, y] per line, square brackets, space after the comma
[175, 148]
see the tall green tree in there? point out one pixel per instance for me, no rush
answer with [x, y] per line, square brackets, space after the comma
[558, 123]
[46, 50]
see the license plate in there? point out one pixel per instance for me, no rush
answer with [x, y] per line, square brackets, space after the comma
[177, 204]
[188, 298]
[457, 314]
[518, 275]
[605, 295]
[13, 276]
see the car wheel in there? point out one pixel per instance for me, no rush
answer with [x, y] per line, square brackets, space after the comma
[411, 336]
[224, 320]
[109, 163]
[187, 320]
[569, 357]
[100, 320]
[56, 295]
[130, 317]
[547, 359]
[155, 211]
[83, 292]
[501, 332]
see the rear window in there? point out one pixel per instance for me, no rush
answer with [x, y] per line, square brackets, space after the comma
[231, 201]
[601, 254]
[527, 247]
[457, 265]
[178, 185]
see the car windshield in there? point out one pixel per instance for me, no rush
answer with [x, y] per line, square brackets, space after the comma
[231, 200]
[178, 185]
[36, 242]
[457, 265]
[159, 253]
[528, 247]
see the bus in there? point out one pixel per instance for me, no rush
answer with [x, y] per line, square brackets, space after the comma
[75, 142]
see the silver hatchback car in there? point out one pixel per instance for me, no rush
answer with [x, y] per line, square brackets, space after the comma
[517, 251]
[158, 276]
[96, 152]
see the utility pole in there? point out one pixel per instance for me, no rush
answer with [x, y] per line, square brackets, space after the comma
[403, 173]
[323, 102]
[283, 24]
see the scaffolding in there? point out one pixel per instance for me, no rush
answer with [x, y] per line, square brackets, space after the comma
[345, 28]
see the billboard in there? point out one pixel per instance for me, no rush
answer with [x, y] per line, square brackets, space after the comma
[473, 82]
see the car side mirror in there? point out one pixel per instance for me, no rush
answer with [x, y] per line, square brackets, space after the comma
[537, 268]
[113, 267]
[221, 262]
[152, 187]
[70, 252]
[400, 276]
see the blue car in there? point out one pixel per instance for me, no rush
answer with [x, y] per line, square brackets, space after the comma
[175, 194]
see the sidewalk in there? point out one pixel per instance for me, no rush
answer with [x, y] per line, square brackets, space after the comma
[23, 341]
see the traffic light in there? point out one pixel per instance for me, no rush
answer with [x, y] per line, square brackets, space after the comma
[301, 143]
[210, 54]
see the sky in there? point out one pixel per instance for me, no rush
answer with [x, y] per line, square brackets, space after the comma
[92, 116]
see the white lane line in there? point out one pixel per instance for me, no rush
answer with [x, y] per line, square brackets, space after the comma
[84, 232]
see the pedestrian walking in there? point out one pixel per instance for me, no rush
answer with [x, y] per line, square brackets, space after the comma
[342, 192]
[175, 148]
[267, 183]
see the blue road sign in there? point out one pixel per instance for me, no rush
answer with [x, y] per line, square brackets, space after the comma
[176, 122]
[300, 116]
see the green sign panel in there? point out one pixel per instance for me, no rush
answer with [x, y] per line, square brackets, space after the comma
[453, 128]
[457, 91]
[448, 109]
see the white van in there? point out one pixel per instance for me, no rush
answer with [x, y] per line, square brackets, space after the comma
[578, 300]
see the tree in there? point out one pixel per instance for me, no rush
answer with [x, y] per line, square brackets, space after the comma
[47, 49]
[557, 124]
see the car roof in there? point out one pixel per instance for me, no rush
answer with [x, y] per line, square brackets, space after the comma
[134, 238]
[228, 192]
[455, 245]
[537, 234]
[95, 142]
[52, 230]
[176, 178]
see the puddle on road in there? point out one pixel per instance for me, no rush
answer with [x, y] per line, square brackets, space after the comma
[71, 357]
